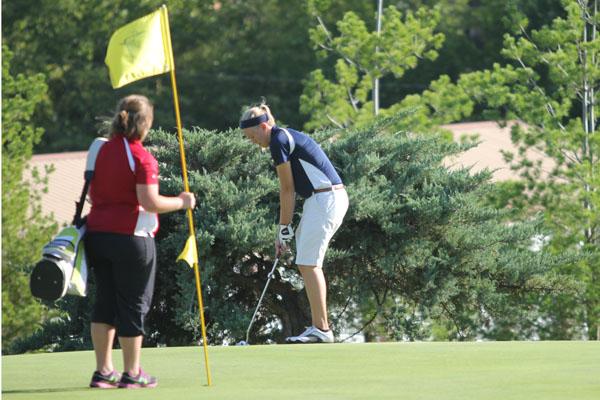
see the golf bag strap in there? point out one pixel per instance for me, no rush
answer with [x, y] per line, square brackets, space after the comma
[90, 166]
[129, 156]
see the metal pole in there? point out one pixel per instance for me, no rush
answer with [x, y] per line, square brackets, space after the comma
[376, 79]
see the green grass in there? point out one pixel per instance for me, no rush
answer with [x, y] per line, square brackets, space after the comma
[489, 370]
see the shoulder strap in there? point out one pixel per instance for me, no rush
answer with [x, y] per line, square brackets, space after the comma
[129, 156]
[90, 166]
[90, 161]
[291, 140]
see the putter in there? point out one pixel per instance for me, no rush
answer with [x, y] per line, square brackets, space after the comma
[269, 277]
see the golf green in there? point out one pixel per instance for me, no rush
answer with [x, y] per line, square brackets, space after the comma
[423, 370]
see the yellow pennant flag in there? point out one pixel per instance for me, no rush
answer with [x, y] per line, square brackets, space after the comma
[189, 253]
[140, 49]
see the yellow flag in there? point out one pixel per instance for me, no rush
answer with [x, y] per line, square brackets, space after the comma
[140, 49]
[189, 253]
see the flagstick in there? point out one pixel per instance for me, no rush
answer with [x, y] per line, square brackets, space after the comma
[187, 189]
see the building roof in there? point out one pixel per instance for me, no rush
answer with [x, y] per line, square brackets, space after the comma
[493, 139]
[66, 182]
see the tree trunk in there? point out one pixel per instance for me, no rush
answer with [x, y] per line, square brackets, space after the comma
[292, 310]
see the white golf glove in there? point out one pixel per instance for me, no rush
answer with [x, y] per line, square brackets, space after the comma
[285, 236]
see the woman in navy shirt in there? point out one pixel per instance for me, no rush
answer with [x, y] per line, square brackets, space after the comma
[303, 168]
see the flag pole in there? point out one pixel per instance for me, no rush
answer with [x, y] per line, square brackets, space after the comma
[186, 187]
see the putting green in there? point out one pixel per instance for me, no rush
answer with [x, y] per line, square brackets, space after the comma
[424, 370]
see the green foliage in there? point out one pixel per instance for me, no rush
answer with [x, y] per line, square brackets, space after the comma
[225, 52]
[23, 227]
[66, 41]
[441, 103]
[59, 332]
[472, 41]
[416, 235]
[362, 57]
[235, 229]
[473, 32]
[543, 86]
[551, 88]
[420, 235]
[419, 255]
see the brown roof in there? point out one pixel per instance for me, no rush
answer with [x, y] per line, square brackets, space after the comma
[66, 182]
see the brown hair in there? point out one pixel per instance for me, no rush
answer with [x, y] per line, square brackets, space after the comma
[255, 111]
[133, 117]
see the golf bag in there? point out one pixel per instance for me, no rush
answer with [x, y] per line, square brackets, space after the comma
[63, 267]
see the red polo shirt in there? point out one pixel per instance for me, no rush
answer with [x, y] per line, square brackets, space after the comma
[115, 207]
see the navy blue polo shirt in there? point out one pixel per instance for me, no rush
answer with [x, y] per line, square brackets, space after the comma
[311, 169]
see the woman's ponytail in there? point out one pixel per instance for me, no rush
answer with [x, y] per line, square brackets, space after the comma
[133, 117]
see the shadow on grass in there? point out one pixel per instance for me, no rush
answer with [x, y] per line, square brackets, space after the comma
[50, 390]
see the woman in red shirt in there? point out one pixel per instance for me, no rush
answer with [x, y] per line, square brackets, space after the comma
[120, 245]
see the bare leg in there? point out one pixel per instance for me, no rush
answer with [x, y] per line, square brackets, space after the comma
[103, 336]
[316, 290]
[132, 347]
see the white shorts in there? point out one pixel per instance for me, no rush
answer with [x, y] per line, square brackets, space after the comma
[322, 215]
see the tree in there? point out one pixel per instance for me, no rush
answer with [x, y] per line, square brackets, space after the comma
[24, 229]
[66, 41]
[417, 235]
[223, 50]
[551, 87]
[473, 34]
[234, 228]
[472, 40]
[419, 255]
[363, 58]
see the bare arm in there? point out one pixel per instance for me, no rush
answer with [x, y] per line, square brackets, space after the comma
[287, 193]
[152, 201]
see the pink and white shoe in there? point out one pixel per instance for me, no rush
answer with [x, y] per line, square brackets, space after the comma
[142, 380]
[108, 381]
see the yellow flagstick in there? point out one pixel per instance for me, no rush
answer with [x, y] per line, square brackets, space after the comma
[167, 34]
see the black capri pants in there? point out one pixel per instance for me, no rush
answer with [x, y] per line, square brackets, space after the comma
[125, 270]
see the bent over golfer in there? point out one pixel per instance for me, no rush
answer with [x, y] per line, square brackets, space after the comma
[303, 168]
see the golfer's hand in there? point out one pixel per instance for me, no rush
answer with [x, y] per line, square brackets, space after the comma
[189, 200]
